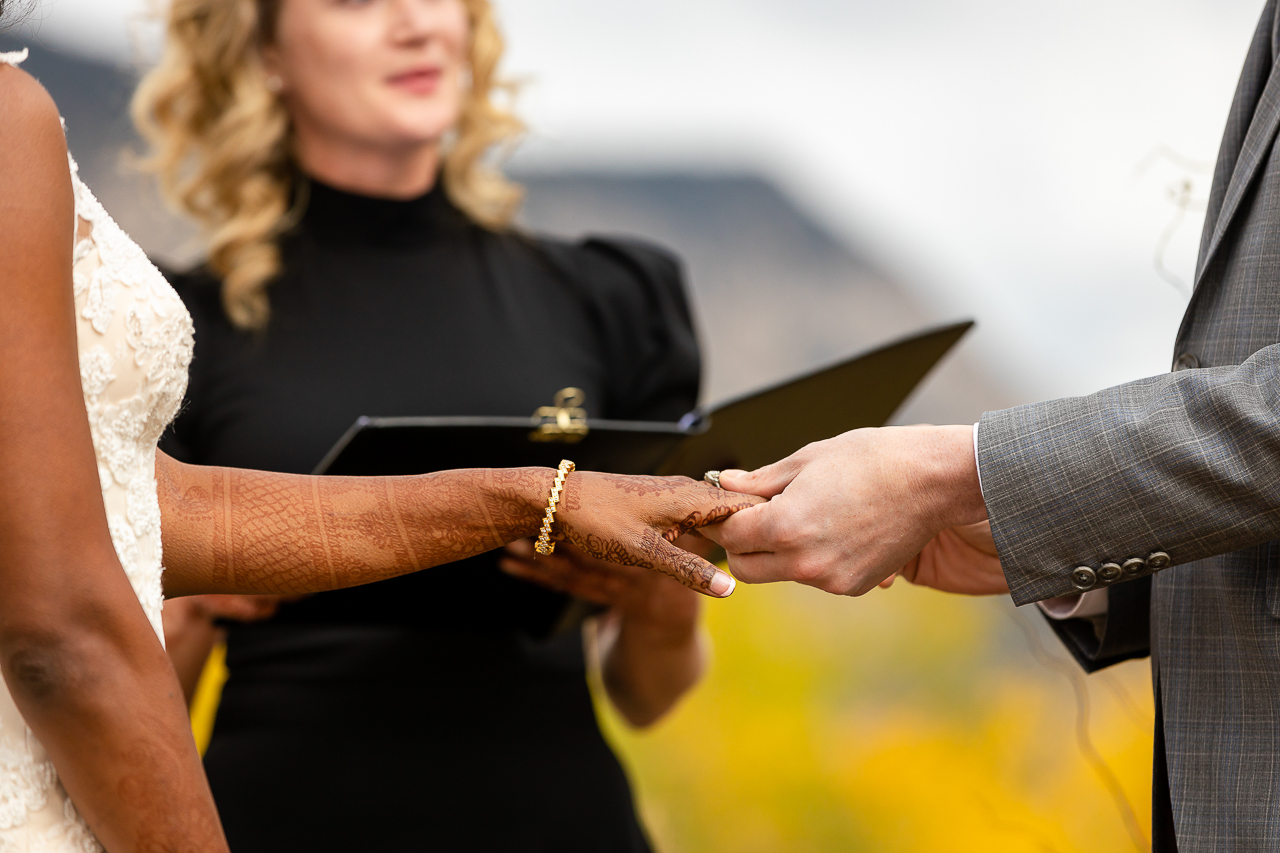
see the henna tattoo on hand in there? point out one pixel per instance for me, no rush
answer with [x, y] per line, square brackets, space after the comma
[696, 519]
[634, 520]
[611, 550]
[649, 486]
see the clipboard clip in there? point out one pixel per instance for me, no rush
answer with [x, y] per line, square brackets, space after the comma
[565, 421]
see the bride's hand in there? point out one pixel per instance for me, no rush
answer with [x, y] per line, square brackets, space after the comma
[634, 520]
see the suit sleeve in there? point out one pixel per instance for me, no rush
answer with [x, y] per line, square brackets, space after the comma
[1153, 473]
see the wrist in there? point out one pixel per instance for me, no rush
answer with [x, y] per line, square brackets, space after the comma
[516, 500]
[952, 477]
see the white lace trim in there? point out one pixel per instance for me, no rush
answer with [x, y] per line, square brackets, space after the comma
[25, 783]
[72, 833]
[14, 57]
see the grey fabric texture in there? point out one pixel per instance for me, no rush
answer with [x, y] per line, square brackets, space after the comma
[1186, 463]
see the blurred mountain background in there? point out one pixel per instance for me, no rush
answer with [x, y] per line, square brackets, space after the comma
[904, 721]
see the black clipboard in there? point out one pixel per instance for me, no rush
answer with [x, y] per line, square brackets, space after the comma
[745, 432]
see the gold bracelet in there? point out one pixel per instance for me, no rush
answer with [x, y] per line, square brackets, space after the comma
[544, 545]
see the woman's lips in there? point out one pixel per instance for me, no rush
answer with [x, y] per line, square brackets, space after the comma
[418, 81]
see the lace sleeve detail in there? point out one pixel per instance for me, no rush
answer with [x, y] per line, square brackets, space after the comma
[14, 57]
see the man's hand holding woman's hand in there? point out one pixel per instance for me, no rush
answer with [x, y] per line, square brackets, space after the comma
[850, 513]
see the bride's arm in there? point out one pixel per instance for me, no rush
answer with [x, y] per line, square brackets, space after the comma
[80, 659]
[235, 531]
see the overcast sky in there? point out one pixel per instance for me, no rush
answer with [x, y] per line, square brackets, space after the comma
[991, 152]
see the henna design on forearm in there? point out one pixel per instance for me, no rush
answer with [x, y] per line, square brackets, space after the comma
[397, 514]
[223, 571]
[259, 532]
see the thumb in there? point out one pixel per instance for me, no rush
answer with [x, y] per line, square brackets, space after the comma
[765, 482]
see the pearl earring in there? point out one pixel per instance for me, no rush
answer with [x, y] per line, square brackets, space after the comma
[274, 84]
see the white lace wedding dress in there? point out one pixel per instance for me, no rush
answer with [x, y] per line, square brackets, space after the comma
[134, 337]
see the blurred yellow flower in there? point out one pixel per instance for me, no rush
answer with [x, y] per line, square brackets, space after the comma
[906, 720]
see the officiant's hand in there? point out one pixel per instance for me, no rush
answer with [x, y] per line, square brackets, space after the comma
[649, 645]
[636, 594]
[847, 513]
[191, 630]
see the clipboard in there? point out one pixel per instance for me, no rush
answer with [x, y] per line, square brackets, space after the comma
[744, 432]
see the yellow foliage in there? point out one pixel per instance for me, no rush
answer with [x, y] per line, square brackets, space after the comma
[903, 721]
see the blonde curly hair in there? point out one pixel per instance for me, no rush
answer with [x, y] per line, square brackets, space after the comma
[222, 146]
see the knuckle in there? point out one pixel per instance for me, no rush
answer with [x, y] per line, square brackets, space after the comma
[856, 590]
[792, 536]
[810, 572]
[833, 584]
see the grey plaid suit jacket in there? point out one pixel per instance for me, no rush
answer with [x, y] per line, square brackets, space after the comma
[1166, 491]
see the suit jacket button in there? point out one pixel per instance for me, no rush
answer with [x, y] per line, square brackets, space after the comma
[1084, 578]
[1108, 572]
[1134, 566]
[1158, 560]
[1186, 361]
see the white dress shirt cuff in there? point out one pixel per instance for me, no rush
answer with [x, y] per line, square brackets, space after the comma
[976, 466]
[1080, 605]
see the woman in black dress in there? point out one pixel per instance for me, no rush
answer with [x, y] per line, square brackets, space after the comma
[334, 149]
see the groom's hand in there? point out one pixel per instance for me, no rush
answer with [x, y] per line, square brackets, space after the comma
[847, 513]
[958, 559]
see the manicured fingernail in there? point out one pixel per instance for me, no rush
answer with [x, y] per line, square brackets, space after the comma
[732, 473]
[722, 585]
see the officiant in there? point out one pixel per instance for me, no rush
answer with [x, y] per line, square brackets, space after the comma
[362, 261]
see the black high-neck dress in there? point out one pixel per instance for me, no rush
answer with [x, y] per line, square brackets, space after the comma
[437, 711]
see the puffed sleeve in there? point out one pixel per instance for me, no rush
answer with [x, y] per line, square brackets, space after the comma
[648, 333]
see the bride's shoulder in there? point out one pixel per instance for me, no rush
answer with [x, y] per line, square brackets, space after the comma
[27, 108]
[33, 149]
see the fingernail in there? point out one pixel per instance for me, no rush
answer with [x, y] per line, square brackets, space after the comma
[722, 585]
[732, 472]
